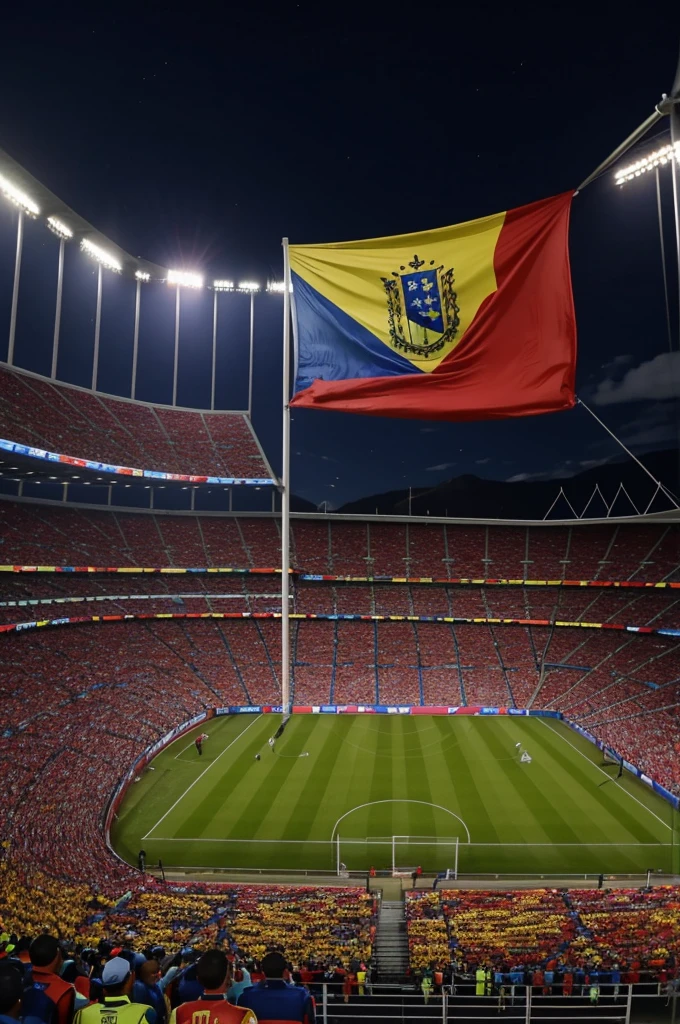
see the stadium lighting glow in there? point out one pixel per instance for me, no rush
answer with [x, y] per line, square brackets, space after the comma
[185, 278]
[223, 286]
[19, 198]
[60, 229]
[277, 286]
[142, 275]
[100, 255]
[659, 158]
[248, 286]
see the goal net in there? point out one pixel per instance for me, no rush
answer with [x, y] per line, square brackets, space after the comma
[409, 853]
[401, 855]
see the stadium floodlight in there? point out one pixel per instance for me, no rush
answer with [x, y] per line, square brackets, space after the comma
[102, 257]
[278, 287]
[223, 286]
[19, 198]
[142, 275]
[248, 286]
[185, 278]
[659, 158]
[60, 229]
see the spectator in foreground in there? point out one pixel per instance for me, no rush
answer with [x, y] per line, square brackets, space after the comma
[240, 980]
[212, 972]
[47, 960]
[117, 979]
[274, 998]
[10, 994]
[149, 988]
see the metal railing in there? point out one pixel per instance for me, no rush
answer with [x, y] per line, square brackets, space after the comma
[621, 1004]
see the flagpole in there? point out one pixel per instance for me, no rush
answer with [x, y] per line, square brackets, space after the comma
[626, 145]
[285, 491]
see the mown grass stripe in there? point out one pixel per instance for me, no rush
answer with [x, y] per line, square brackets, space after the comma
[323, 773]
[459, 781]
[578, 769]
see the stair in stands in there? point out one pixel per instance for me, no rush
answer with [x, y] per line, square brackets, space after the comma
[391, 941]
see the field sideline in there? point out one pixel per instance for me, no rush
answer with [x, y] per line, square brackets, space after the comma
[369, 777]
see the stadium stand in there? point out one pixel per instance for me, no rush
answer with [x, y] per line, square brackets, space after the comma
[40, 535]
[632, 931]
[326, 925]
[133, 682]
[71, 421]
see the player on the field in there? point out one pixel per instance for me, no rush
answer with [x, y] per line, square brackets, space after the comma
[199, 742]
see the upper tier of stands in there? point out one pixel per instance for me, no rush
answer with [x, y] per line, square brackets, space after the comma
[35, 534]
[71, 421]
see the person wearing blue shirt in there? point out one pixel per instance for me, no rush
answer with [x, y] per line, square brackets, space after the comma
[274, 998]
[188, 987]
[11, 989]
[149, 987]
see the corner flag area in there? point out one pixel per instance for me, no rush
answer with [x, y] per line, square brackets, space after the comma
[362, 791]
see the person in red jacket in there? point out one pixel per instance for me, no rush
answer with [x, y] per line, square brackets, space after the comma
[212, 971]
[47, 959]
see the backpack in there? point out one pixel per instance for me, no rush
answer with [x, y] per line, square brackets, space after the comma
[37, 1007]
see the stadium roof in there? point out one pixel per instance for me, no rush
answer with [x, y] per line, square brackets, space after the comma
[51, 205]
[670, 517]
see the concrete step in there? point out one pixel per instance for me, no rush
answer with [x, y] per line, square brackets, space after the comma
[391, 942]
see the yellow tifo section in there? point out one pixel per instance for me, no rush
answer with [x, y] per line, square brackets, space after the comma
[349, 274]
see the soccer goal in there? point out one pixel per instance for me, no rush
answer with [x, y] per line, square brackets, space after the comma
[411, 852]
[400, 854]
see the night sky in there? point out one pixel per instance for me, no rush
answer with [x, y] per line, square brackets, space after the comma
[197, 138]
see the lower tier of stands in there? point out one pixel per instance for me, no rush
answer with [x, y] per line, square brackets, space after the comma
[326, 925]
[564, 932]
[548, 938]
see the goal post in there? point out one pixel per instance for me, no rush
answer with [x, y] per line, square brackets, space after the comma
[422, 847]
[400, 855]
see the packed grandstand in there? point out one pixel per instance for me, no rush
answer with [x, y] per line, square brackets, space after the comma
[120, 629]
[390, 614]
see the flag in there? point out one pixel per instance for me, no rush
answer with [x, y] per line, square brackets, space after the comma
[474, 321]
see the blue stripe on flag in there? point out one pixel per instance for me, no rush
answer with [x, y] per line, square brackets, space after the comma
[333, 346]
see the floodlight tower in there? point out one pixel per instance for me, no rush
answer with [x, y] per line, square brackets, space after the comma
[102, 259]
[140, 276]
[26, 207]
[218, 286]
[64, 234]
[664, 156]
[251, 288]
[181, 279]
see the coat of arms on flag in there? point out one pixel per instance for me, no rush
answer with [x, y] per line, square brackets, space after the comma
[421, 308]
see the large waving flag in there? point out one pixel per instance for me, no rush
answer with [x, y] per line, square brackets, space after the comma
[474, 321]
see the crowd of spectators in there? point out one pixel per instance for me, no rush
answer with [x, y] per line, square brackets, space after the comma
[631, 933]
[70, 421]
[33, 534]
[603, 683]
[331, 926]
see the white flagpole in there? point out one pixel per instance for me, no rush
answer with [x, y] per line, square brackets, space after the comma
[285, 490]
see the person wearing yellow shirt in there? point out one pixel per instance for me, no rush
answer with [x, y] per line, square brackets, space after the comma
[117, 980]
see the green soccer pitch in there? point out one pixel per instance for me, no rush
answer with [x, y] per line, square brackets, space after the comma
[438, 780]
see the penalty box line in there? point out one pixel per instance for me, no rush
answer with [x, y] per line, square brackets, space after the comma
[199, 777]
